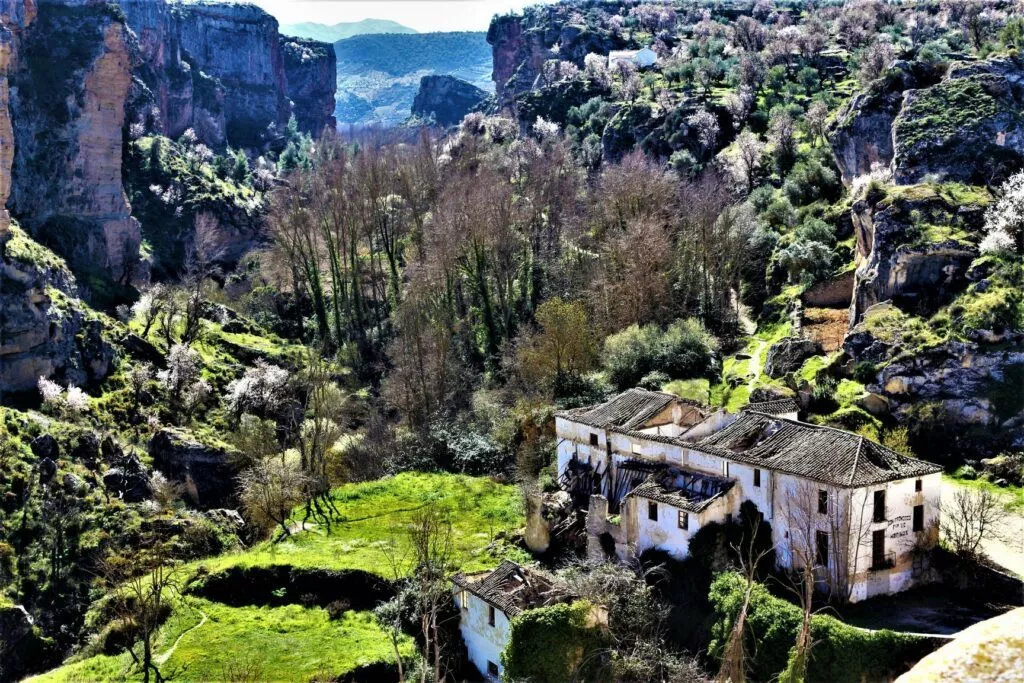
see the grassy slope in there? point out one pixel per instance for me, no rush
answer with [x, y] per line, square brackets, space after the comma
[290, 643]
[372, 518]
[296, 643]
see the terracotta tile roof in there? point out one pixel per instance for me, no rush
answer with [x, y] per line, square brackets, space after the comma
[629, 410]
[512, 588]
[683, 489]
[779, 406]
[824, 454]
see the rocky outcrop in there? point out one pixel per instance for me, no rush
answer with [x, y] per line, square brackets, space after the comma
[15, 16]
[72, 78]
[445, 100]
[179, 94]
[787, 355]
[311, 71]
[972, 384]
[208, 470]
[23, 650]
[519, 53]
[238, 45]
[43, 330]
[964, 127]
[521, 44]
[967, 127]
[128, 480]
[898, 260]
[861, 137]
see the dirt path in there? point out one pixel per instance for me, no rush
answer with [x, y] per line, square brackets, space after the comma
[160, 659]
[1008, 549]
[756, 363]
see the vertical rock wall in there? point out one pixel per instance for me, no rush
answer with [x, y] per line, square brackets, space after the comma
[15, 16]
[311, 70]
[239, 46]
[68, 98]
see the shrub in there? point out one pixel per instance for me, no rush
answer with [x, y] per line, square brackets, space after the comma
[654, 380]
[810, 181]
[841, 653]
[966, 472]
[552, 644]
[683, 351]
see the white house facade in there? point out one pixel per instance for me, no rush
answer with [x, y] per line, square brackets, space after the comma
[487, 602]
[642, 58]
[652, 473]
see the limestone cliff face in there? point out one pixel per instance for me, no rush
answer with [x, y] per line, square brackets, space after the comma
[446, 99]
[239, 46]
[43, 329]
[898, 262]
[15, 16]
[180, 95]
[73, 75]
[519, 54]
[311, 71]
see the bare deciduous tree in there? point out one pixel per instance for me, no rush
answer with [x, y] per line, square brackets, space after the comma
[970, 517]
[141, 589]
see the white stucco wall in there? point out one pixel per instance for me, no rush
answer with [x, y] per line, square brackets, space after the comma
[900, 537]
[574, 439]
[483, 641]
[664, 533]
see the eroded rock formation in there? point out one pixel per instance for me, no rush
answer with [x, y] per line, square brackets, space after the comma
[446, 99]
[15, 16]
[311, 71]
[179, 94]
[519, 55]
[913, 248]
[43, 330]
[72, 78]
[238, 45]
[964, 127]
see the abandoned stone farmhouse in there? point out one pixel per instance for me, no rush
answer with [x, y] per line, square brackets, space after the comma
[487, 602]
[652, 469]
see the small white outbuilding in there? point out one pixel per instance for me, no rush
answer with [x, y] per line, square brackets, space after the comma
[643, 58]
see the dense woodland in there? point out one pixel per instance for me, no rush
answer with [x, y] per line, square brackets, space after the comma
[334, 311]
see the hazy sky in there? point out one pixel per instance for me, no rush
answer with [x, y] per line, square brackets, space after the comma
[422, 15]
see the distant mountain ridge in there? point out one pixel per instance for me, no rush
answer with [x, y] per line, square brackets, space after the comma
[346, 29]
[379, 74]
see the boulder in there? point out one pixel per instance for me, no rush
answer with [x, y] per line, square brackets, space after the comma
[47, 470]
[87, 451]
[129, 480]
[445, 100]
[23, 650]
[142, 350]
[898, 262]
[210, 469]
[787, 355]
[111, 449]
[45, 446]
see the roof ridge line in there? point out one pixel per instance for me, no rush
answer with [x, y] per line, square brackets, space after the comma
[856, 460]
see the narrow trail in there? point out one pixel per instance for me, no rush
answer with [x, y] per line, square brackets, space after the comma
[160, 659]
[756, 364]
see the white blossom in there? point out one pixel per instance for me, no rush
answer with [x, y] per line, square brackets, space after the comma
[544, 128]
[1004, 222]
